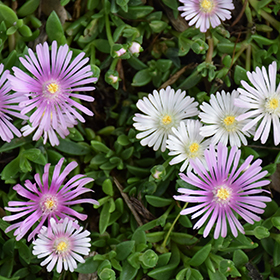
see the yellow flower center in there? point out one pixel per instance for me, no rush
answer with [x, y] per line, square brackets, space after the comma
[49, 204]
[229, 120]
[52, 87]
[230, 123]
[206, 5]
[61, 247]
[194, 147]
[273, 103]
[223, 193]
[166, 120]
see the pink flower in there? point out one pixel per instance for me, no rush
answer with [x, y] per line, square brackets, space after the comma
[50, 90]
[46, 201]
[8, 106]
[120, 52]
[62, 244]
[204, 13]
[225, 189]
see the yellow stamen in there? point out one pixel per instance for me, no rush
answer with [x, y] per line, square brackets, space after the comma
[273, 103]
[166, 120]
[61, 247]
[206, 6]
[194, 147]
[49, 204]
[229, 120]
[52, 88]
[223, 193]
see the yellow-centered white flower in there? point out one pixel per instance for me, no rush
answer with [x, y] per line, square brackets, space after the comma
[162, 110]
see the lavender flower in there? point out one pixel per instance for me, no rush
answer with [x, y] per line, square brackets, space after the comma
[62, 244]
[224, 190]
[8, 106]
[50, 90]
[46, 201]
[204, 13]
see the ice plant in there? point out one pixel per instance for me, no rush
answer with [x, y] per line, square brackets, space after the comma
[47, 200]
[162, 111]
[220, 119]
[51, 85]
[224, 190]
[206, 13]
[186, 144]
[62, 244]
[262, 99]
[8, 106]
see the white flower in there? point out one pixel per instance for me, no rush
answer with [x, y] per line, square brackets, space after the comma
[162, 111]
[62, 244]
[263, 101]
[204, 13]
[135, 48]
[221, 119]
[186, 144]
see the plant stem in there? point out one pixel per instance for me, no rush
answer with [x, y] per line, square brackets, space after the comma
[163, 245]
[108, 28]
[210, 41]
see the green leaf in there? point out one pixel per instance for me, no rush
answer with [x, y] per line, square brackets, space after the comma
[239, 74]
[107, 187]
[165, 272]
[171, 4]
[123, 140]
[158, 201]
[102, 45]
[136, 12]
[128, 272]
[10, 278]
[89, 266]
[193, 274]
[142, 78]
[11, 169]
[21, 273]
[138, 171]
[104, 217]
[200, 256]
[261, 232]
[216, 276]
[149, 259]
[157, 25]
[154, 237]
[107, 274]
[7, 15]
[99, 147]
[54, 29]
[28, 8]
[69, 147]
[163, 259]
[276, 254]
[35, 155]
[240, 258]
[24, 251]
[124, 249]
[183, 238]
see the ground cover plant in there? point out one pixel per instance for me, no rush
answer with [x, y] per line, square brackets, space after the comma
[139, 139]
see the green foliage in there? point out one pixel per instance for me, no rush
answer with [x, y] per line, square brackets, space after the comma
[136, 230]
